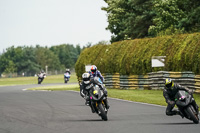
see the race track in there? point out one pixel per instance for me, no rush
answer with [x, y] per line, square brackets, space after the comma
[65, 112]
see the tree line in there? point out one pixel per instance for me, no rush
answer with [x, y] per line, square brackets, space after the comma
[130, 19]
[29, 59]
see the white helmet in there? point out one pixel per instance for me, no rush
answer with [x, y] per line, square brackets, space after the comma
[86, 78]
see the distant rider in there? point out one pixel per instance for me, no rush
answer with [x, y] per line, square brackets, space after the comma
[41, 75]
[96, 73]
[87, 80]
[67, 75]
[68, 71]
[169, 93]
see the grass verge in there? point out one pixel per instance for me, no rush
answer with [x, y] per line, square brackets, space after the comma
[145, 96]
[58, 88]
[34, 80]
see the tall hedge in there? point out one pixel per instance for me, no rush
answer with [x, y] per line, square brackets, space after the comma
[134, 56]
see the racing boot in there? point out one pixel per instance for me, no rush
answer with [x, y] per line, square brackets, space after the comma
[92, 109]
[181, 114]
[106, 104]
[87, 102]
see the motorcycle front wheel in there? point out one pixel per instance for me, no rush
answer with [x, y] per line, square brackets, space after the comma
[103, 113]
[193, 115]
[39, 81]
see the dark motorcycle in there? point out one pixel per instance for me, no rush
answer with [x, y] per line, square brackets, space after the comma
[97, 98]
[184, 102]
[41, 77]
[66, 77]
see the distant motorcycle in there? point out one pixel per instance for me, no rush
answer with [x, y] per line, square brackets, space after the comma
[97, 98]
[41, 77]
[184, 103]
[66, 77]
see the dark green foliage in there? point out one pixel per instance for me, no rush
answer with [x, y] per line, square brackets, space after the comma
[20, 59]
[130, 19]
[68, 54]
[134, 56]
[30, 60]
[46, 57]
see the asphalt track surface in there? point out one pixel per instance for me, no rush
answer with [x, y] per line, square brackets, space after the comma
[65, 112]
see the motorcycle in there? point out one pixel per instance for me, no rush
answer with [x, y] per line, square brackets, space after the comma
[184, 102]
[66, 77]
[97, 98]
[41, 77]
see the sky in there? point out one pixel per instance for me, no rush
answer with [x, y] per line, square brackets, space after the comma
[52, 22]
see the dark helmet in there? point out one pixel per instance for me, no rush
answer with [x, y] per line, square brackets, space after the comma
[93, 68]
[86, 78]
[42, 71]
[169, 83]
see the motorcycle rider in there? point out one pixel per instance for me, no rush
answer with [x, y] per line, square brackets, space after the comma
[169, 93]
[41, 75]
[87, 81]
[96, 73]
[68, 71]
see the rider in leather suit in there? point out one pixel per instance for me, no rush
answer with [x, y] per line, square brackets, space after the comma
[84, 88]
[169, 93]
[96, 73]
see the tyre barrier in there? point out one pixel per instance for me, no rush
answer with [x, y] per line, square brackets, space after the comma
[153, 80]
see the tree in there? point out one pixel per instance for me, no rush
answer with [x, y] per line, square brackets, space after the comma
[168, 15]
[175, 16]
[67, 54]
[45, 57]
[10, 67]
[129, 18]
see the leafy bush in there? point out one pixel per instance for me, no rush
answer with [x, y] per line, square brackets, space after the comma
[134, 56]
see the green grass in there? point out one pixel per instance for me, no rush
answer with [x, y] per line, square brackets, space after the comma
[33, 80]
[145, 96]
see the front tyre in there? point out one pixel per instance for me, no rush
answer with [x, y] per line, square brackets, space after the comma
[193, 115]
[103, 113]
[39, 81]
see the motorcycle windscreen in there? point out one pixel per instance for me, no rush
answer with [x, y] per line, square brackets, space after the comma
[182, 98]
[97, 94]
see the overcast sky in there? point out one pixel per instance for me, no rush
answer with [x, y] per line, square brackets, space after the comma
[52, 22]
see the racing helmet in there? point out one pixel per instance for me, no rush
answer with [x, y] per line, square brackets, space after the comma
[86, 78]
[93, 69]
[169, 83]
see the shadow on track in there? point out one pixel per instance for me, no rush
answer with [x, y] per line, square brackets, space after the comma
[188, 123]
[92, 120]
